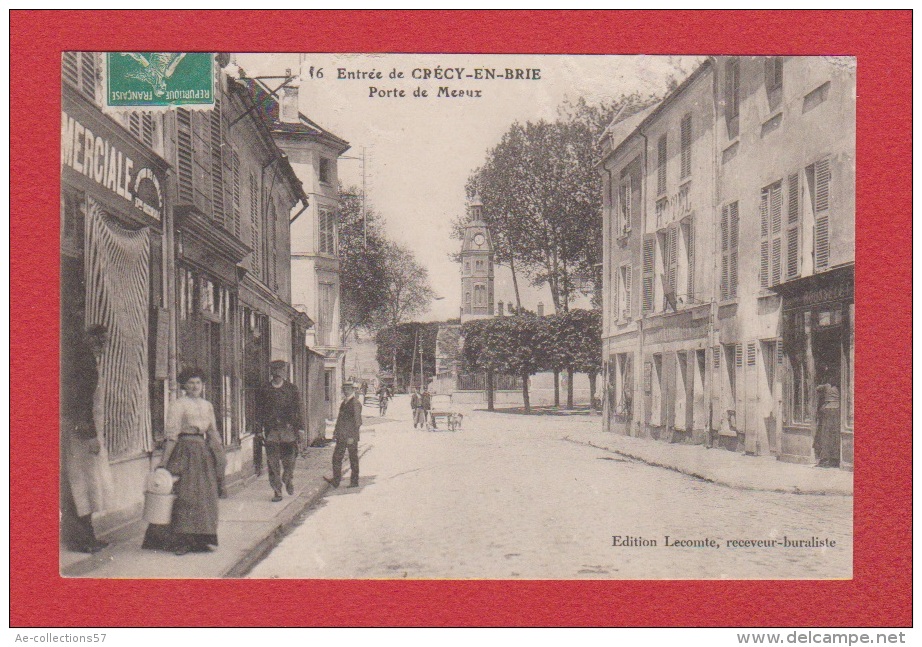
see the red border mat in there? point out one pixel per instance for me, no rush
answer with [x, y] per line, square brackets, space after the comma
[880, 592]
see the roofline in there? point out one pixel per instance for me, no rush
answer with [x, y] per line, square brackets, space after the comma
[324, 133]
[668, 100]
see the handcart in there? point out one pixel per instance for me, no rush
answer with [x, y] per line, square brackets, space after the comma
[442, 409]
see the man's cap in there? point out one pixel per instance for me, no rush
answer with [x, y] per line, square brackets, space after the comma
[276, 363]
[351, 385]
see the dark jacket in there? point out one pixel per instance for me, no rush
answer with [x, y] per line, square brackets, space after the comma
[280, 413]
[427, 402]
[79, 378]
[416, 401]
[349, 420]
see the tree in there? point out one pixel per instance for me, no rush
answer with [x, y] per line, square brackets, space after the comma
[542, 197]
[407, 288]
[362, 257]
[504, 345]
[585, 350]
[409, 338]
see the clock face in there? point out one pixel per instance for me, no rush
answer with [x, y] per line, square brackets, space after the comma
[478, 240]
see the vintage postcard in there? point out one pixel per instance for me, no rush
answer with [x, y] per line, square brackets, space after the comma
[576, 317]
[460, 318]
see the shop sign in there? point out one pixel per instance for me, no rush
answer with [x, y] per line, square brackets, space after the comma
[839, 290]
[159, 79]
[103, 162]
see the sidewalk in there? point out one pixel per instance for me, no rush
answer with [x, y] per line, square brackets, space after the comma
[249, 525]
[720, 466]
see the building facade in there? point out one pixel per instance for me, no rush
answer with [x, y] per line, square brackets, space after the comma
[312, 152]
[745, 299]
[174, 234]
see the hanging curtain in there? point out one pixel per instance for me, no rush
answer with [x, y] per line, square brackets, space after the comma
[117, 296]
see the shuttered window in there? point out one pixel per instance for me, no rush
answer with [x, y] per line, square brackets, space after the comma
[624, 293]
[689, 228]
[184, 173]
[141, 125]
[729, 250]
[327, 237]
[670, 266]
[624, 206]
[649, 258]
[235, 191]
[751, 354]
[715, 355]
[732, 88]
[661, 166]
[79, 69]
[686, 142]
[818, 178]
[256, 241]
[774, 72]
[217, 163]
[770, 215]
[793, 227]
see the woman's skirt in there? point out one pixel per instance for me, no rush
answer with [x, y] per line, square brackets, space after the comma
[195, 510]
[826, 442]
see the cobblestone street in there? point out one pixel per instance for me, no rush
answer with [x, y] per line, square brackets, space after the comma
[509, 497]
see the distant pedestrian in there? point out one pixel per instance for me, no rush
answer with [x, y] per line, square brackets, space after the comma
[384, 397]
[427, 409]
[416, 404]
[282, 428]
[346, 434]
[194, 453]
[86, 477]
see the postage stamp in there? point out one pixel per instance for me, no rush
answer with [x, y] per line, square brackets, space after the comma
[159, 79]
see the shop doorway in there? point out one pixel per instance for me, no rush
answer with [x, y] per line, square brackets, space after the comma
[827, 356]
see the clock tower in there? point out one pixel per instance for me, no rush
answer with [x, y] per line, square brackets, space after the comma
[476, 267]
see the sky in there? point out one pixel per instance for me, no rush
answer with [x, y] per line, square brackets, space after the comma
[419, 151]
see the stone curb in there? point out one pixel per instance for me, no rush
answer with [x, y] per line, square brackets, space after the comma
[284, 523]
[710, 478]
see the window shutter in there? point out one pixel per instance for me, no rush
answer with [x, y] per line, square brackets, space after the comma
[779, 350]
[715, 354]
[734, 248]
[88, 74]
[649, 257]
[821, 212]
[661, 166]
[725, 253]
[628, 270]
[793, 228]
[70, 68]
[672, 259]
[690, 247]
[217, 163]
[686, 141]
[134, 124]
[738, 352]
[184, 155]
[751, 354]
[776, 232]
[255, 238]
[147, 129]
[764, 251]
[235, 191]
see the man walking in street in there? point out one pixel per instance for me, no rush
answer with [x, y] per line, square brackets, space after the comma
[416, 403]
[427, 408]
[282, 428]
[346, 434]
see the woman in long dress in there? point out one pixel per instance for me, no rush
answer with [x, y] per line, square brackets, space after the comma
[194, 453]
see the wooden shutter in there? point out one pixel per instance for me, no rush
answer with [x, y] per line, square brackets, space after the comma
[765, 244]
[235, 191]
[147, 129]
[671, 260]
[793, 226]
[751, 354]
[715, 354]
[255, 233]
[686, 142]
[217, 163]
[725, 253]
[775, 211]
[184, 155]
[690, 248]
[628, 270]
[88, 74]
[734, 248]
[821, 212]
[70, 68]
[661, 166]
[649, 258]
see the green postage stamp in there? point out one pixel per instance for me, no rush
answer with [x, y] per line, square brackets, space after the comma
[159, 79]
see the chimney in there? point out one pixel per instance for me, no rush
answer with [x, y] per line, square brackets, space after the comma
[288, 108]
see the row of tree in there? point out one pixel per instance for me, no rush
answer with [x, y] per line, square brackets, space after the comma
[525, 344]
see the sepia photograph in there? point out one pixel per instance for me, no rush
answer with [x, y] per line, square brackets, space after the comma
[457, 316]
